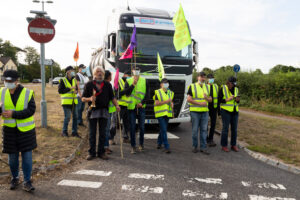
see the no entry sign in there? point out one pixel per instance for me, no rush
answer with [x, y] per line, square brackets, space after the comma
[41, 30]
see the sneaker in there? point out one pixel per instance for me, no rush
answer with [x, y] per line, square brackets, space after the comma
[235, 148]
[141, 148]
[14, 183]
[133, 150]
[76, 135]
[204, 151]
[28, 187]
[126, 140]
[167, 151]
[158, 146]
[90, 157]
[103, 156]
[211, 144]
[64, 134]
[195, 150]
[108, 151]
[225, 149]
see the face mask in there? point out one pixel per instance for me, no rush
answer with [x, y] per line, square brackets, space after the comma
[9, 85]
[83, 71]
[166, 85]
[127, 77]
[98, 81]
[72, 74]
[211, 81]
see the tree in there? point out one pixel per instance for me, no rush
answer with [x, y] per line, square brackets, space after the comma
[32, 55]
[283, 69]
[8, 50]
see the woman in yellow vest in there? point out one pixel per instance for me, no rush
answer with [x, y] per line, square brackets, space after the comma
[17, 110]
[163, 110]
[229, 99]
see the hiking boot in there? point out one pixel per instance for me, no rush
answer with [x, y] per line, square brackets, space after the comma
[108, 151]
[76, 135]
[90, 157]
[195, 150]
[141, 148]
[133, 150]
[64, 134]
[235, 148]
[158, 146]
[204, 151]
[28, 187]
[225, 149]
[14, 183]
[103, 156]
[211, 144]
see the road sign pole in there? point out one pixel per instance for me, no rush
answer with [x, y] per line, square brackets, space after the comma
[235, 74]
[43, 101]
[52, 75]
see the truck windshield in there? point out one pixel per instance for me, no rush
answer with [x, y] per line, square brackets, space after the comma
[151, 43]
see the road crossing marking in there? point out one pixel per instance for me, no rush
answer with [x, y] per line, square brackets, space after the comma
[146, 176]
[155, 135]
[143, 189]
[204, 195]
[206, 180]
[259, 197]
[85, 184]
[93, 172]
[264, 185]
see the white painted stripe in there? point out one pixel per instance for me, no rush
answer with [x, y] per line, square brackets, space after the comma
[206, 180]
[264, 185]
[259, 197]
[43, 31]
[155, 135]
[85, 184]
[246, 184]
[143, 189]
[93, 172]
[204, 195]
[146, 176]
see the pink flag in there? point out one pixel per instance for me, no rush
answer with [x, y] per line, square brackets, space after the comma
[128, 53]
[116, 81]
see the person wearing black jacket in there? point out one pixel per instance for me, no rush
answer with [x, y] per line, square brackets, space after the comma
[98, 92]
[18, 135]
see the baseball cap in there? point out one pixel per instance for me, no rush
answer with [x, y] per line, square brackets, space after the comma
[232, 80]
[10, 75]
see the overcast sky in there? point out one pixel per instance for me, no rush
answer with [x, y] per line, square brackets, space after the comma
[251, 33]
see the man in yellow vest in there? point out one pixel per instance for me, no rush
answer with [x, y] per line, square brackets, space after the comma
[229, 99]
[67, 89]
[136, 90]
[198, 99]
[163, 110]
[213, 109]
[17, 110]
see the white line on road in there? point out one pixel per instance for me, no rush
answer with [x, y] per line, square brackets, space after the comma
[206, 180]
[259, 197]
[204, 195]
[155, 135]
[264, 185]
[147, 176]
[143, 189]
[85, 184]
[93, 172]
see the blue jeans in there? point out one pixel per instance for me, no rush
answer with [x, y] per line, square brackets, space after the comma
[141, 122]
[80, 109]
[107, 131]
[13, 160]
[163, 137]
[68, 111]
[232, 119]
[199, 120]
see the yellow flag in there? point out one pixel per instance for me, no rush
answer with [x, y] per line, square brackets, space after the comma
[182, 37]
[161, 70]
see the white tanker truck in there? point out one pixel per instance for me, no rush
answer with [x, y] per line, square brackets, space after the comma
[155, 31]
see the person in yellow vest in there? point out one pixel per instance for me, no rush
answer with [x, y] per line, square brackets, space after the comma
[82, 79]
[163, 110]
[136, 90]
[229, 99]
[213, 109]
[198, 99]
[18, 127]
[67, 89]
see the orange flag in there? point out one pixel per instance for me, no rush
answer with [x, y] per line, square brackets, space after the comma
[76, 54]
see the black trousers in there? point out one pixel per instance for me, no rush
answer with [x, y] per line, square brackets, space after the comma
[93, 135]
[213, 120]
[125, 118]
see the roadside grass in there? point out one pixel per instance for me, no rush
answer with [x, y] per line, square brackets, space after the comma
[52, 148]
[273, 137]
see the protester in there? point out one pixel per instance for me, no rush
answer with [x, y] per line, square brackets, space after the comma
[68, 91]
[213, 109]
[98, 93]
[229, 99]
[17, 110]
[82, 79]
[198, 98]
[163, 110]
[136, 86]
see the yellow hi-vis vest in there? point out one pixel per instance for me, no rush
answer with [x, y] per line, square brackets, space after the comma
[229, 105]
[69, 97]
[123, 101]
[165, 109]
[23, 125]
[198, 95]
[215, 95]
[111, 107]
[138, 93]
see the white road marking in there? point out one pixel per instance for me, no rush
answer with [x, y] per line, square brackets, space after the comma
[143, 189]
[155, 135]
[204, 195]
[147, 176]
[264, 185]
[259, 197]
[93, 172]
[85, 184]
[206, 180]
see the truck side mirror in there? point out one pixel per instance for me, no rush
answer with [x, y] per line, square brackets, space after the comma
[195, 59]
[195, 47]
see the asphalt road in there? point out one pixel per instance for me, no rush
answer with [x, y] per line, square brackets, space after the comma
[179, 175]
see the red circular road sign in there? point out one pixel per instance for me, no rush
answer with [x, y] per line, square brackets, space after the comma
[41, 30]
